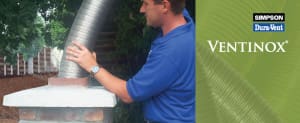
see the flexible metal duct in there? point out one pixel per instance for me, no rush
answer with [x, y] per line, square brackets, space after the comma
[84, 29]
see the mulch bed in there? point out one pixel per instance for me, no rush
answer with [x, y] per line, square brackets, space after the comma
[16, 83]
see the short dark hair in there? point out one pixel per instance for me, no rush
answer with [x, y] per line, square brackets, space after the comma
[177, 6]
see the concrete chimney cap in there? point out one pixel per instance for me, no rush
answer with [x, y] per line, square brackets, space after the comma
[61, 96]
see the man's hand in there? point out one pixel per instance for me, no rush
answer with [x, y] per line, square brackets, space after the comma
[79, 54]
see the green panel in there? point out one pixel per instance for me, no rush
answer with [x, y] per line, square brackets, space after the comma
[247, 87]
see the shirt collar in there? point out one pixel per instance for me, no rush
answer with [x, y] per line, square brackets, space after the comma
[178, 30]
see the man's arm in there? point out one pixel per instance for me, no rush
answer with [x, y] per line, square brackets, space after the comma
[113, 84]
[82, 56]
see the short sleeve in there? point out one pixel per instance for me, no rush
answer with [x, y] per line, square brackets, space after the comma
[157, 75]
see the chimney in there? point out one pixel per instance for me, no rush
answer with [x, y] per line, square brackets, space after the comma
[70, 98]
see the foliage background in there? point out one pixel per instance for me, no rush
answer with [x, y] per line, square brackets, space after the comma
[22, 31]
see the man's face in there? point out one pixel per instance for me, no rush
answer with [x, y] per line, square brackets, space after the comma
[152, 13]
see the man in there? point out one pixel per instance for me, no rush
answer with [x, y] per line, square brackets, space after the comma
[166, 82]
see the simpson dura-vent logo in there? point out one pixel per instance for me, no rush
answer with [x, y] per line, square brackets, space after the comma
[262, 22]
[268, 22]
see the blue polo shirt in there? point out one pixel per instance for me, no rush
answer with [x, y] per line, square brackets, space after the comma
[166, 82]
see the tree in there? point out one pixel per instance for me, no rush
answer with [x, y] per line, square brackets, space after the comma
[28, 25]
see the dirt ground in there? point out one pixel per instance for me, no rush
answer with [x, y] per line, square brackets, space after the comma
[12, 84]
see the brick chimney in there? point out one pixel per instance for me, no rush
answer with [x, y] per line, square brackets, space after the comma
[63, 104]
[70, 97]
